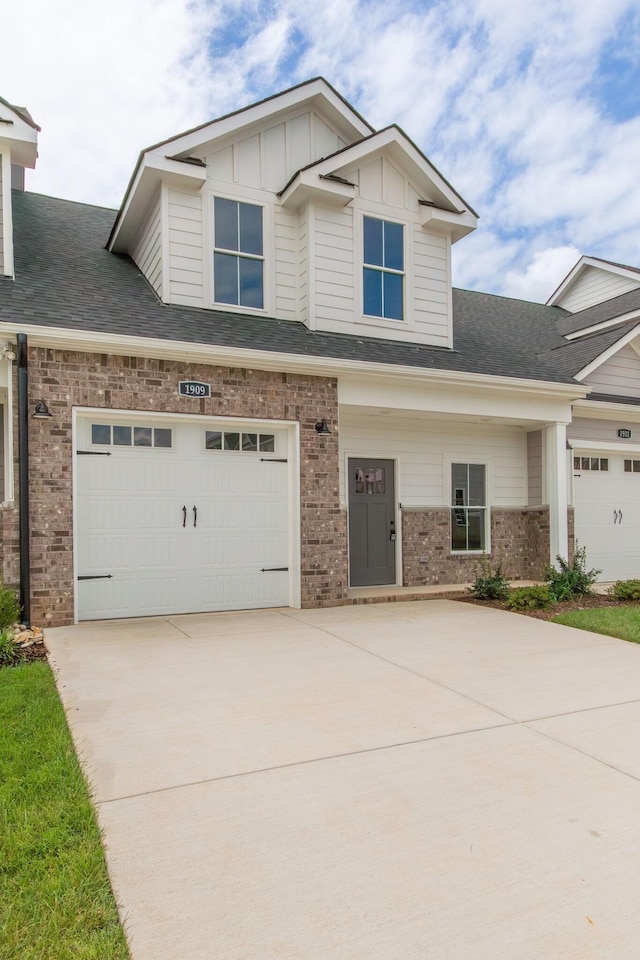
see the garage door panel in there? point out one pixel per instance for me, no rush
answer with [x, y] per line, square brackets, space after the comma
[607, 519]
[129, 514]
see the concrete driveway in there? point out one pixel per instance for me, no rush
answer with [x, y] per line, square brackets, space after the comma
[379, 782]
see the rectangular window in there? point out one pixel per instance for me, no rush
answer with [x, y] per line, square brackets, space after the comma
[468, 506]
[238, 257]
[591, 463]
[383, 272]
[632, 466]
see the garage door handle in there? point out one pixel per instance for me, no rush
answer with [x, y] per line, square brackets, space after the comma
[195, 516]
[184, 516]
[620, 518]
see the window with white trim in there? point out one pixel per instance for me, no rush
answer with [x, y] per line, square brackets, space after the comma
[238, 255]
[468, 506]
[383, 270]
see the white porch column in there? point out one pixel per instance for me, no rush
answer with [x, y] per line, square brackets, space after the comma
[556, 488]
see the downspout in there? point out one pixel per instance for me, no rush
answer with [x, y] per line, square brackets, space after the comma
[23, 478]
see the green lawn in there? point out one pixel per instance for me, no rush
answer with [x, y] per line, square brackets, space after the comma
[622, 622]
[55, 897]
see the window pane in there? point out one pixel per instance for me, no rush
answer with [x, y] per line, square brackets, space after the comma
[249, 441]
[476, 485]
[250, 229]
[576, 463]
[393, 252]
[122, 436]
[459, 529]
[213, 440]
[226, 224]
[250, 282]
[161, 437]
[100, 433]
[585, 463]
[604, 464]
[232, 441]
[392, 296]
[595, 463]
[459, 484]
[475, 535]
[225, 278]
[267, 442]
[373, 241]
[142, 436]
[372, 292]
[627, 466]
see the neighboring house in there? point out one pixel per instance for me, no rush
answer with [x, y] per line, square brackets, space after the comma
[264, 390]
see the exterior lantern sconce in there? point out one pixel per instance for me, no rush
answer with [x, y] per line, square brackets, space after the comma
[41, 411]
[321, 426]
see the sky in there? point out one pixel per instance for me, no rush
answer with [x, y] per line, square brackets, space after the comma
[530, 108]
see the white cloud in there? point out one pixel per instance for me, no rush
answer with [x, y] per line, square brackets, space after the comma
[540, 277]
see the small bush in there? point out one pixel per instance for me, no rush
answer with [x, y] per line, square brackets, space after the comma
[11, 653]
[490, 584]
[9, 607]
[625, 590]
[570, 579]
[529, 598]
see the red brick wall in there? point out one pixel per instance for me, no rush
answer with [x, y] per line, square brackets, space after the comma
[66, 379]
[519, 540]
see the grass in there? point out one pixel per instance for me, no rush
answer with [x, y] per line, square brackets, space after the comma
[55, 896]
[622, 622]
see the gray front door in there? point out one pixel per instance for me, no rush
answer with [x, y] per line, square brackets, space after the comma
[372, 514]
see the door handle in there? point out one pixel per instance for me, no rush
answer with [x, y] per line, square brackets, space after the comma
[184, 516]
[195, 516]
[620, 518]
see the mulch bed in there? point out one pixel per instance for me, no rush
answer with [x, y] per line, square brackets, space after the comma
[587, 602]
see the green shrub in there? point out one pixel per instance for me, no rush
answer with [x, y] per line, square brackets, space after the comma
[625, 590]
[490, 584]
[11, 653]
[9, 607]
[529, 598]
[570, 579]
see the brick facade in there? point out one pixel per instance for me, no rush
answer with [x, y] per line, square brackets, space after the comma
[519, 540]
[67, 379]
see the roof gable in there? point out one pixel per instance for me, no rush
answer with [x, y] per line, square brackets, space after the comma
[592, 281]
[19, 132]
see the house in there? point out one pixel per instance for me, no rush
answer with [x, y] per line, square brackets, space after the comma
[254, 384]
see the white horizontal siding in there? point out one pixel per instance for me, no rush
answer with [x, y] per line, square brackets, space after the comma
[424, 448]
[534, 467]
[185, 248]
[618, 375]
[286, 265]
[605, 430]
[334, 267]
[596, 285]
[147, 251]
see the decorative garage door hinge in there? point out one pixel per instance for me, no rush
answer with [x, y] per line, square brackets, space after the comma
[93, 453]
[273, 460]
[273, 569]
[97, 576]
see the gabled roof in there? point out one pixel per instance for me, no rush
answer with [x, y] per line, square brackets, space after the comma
[581, 266]
[609, 312]
[575, 356]
[65, 278]
[22, 112]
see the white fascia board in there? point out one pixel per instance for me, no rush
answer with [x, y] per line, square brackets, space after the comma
[604, 325]
[95, 342]
[153, 171]
[580, 267]
[21, 138]
[310, 185]
[607, 354]
[606, 410]
[329, 103]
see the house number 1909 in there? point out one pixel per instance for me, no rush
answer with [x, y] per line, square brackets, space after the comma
[193, 388]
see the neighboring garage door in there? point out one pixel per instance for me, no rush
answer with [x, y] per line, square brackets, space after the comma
[179, 517]
[606, 493]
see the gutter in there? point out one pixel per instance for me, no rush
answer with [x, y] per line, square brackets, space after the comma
[23, 478]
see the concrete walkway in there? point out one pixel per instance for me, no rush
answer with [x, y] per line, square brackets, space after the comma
[408, 781]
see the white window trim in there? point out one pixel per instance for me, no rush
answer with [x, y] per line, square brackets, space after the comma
[379, 211]
[386, 270]
[487, 463]
[257, 199]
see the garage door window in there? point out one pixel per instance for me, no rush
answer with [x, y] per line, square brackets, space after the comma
[632, 466]
[591, 463]
[241, 442]
[119, 435]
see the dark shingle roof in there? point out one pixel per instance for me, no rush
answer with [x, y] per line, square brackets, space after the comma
[571, 357]
[600, 312]
[66, 278]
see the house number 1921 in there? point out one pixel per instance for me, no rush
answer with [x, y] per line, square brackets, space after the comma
[193, 388]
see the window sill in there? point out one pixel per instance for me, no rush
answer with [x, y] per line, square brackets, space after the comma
[469, 553]
[235, 308]
[383, 322]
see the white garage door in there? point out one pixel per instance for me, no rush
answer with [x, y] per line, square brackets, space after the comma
[606, 493]
[180, 517]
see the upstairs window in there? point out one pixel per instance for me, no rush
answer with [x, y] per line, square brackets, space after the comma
[238, 257]
[383, 280]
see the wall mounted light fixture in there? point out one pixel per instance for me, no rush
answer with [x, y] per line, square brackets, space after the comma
[321, 426]
[41, 411]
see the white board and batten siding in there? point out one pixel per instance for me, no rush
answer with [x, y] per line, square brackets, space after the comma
[147, 251]
[424, 449]
[620, 375]
[595, 285]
